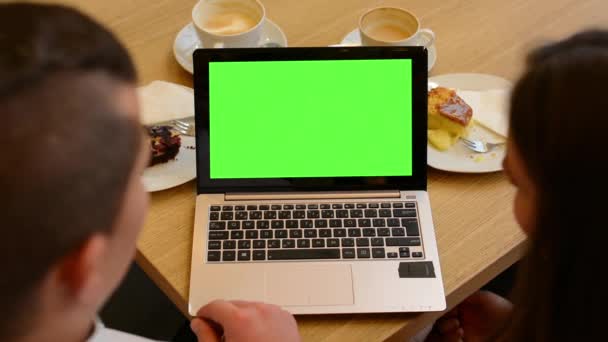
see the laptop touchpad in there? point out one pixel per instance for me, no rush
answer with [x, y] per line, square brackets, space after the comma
[297, 284]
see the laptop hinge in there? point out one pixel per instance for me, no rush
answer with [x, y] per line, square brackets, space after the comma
[311, 195]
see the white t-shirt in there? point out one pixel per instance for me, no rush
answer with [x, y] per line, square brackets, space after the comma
[103, 334]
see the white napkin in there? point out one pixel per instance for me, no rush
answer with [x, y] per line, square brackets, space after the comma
[163, 101]
[490, 108]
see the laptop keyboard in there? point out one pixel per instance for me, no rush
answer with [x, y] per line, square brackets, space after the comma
[322, 231]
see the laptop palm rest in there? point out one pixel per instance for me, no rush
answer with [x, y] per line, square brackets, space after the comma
[301, 285]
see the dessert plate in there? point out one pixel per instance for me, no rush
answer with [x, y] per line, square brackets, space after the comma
[459, 158]
[174, 172]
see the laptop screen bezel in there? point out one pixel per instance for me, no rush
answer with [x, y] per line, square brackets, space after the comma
[418, 179]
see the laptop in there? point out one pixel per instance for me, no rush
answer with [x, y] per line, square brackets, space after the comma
[311, 180]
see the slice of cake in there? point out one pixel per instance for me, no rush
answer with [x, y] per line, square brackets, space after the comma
[449, 117]
[164, 143]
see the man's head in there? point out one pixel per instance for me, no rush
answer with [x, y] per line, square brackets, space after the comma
[71, 151]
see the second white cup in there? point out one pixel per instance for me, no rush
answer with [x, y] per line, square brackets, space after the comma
[390, 26]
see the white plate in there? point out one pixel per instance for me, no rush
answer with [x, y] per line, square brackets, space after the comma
[459, 158]
[187, 41]
[354, 39]
[174, 172]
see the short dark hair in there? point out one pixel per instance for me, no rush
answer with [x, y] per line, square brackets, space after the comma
[558, 126]
[67, 150]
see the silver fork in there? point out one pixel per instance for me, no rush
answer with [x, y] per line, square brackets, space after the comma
[183, 127]
[480, 146]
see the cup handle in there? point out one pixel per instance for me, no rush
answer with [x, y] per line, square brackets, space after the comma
[429, 36]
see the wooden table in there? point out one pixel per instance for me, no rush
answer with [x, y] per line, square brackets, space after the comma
[476, 232]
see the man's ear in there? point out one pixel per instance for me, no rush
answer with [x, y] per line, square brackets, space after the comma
[81, 271]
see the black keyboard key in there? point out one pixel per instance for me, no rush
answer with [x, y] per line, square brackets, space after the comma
[270, 215]
[257, 244]
[295, 233]
[227, 208]
[385, 205]
[255, 215]
[385, 213]
[404, 212]
[230, 244]
[383, 232]
[378, 253]
[252, 207]
[371, 213]
[263, 224]
[363, 253]
[398, 231]
[350, 223]
[214, 216]
[392, 254]
[354, 232]
[214, 256]
[417, 255]
[404, 249]
[303, 243]
[313, 206]
[379, 222]
[266, 234]
[403, 242]
[348, 242]
[361, 205]
[397, 205]
[244, 255]
[227, 215]
[217, 225]
[327, 214]
[369, 232]
[236, 234]
[364, 223]
[251, 234]
[312, 214]
[299, 254]
[325, 206]
[259, 255]
[289, 243]
[234, 225]
[248, 225]
[362, 242]
[300, 206]
[277, 224]
[335, 223]
[228, 255]
[411, 227]
[339, 232]
[274, 243]
[374, 205]
[288, 206]
[404, 254]
[377, 242]
[318, 242]
[333, 243]
[392, 222]
[264, 207]
[298, 214]
[214, 245]
[356, 213]
[275, 207]
[306, 224]
[218, 235]
[348, 253]
[410, 205]
[342, 213]
[280, 234]
[310, 233]
[241, 215]
[320, 223]
[324, 232]
[284, 215]
[215, 208]
[239, 207]
[336, 206]
[244, 244]
[349, 206]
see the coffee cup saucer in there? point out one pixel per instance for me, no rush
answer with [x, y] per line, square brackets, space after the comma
[187, 41]
[354, 39]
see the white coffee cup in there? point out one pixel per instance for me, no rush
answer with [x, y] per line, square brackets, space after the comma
[391, 26]
[229, 23]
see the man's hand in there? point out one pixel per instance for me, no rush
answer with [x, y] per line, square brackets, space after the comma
[245, 322]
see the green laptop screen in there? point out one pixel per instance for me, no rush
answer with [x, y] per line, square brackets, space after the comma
[291, 119]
